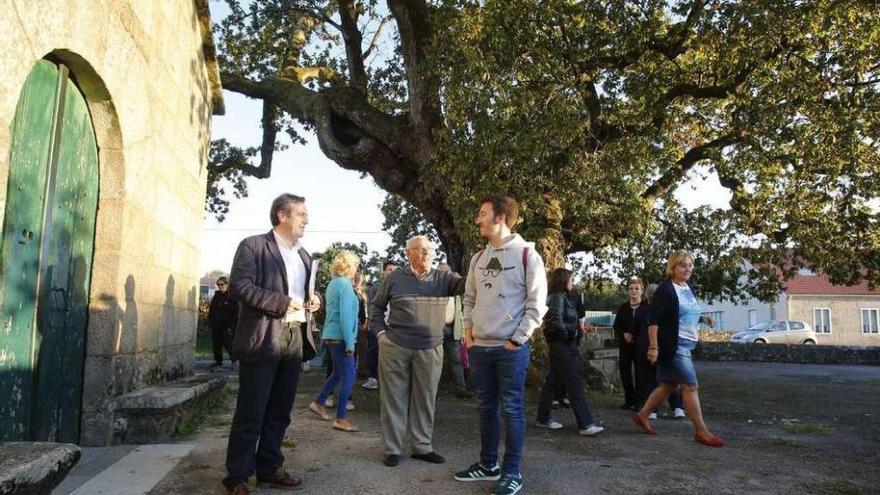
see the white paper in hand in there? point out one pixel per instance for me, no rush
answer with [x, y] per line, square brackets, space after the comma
[298, 315]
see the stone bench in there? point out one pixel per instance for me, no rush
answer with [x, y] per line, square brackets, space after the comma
[153, 414]
[34, 467]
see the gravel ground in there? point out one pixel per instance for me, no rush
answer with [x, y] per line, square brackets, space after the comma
[790, 429]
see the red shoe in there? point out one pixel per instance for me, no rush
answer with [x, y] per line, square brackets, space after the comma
[643, 424]
[712, 441]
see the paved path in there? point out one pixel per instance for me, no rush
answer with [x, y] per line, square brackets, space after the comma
[791, 429]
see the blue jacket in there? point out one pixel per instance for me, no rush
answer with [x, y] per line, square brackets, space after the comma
[342, 312]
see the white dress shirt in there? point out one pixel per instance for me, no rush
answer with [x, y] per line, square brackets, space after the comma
[295, 268]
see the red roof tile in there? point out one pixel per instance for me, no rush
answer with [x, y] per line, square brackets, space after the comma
[818, 284]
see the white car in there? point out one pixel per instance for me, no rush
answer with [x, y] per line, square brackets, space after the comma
[777, 332]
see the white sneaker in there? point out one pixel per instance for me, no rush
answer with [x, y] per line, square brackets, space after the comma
[591, 431]
[349, 406]
[551, 424]
[653, 415]
[329, 402]
[678, 413]
[371, 384]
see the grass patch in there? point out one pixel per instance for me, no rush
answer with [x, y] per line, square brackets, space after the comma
[204, 348]
[193, 422]
[786, 443]
[189, 468]
[288, 444]
[807, 429]
[838, 486]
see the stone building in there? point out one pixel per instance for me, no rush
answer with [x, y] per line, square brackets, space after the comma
[105, 109]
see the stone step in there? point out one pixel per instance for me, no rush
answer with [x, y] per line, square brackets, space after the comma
[34, 467]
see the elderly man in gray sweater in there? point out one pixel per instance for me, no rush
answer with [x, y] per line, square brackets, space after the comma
[411, 349]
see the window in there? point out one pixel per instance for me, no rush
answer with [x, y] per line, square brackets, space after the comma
[779, 326]
[753, 317]
[822, 320]
[869, 321]
[795, 325]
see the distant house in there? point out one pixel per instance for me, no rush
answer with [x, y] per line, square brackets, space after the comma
[840, 314]
[207, 286]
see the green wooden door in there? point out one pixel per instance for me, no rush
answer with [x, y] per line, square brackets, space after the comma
[48, 303]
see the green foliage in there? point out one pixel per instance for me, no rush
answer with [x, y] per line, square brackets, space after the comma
[591, 114]
[402, 222]
[602, 295]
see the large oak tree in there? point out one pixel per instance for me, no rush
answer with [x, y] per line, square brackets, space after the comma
[591, 113]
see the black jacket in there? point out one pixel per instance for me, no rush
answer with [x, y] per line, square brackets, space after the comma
[222, 312]
[663, 312]
[563, 315]
[624, 322]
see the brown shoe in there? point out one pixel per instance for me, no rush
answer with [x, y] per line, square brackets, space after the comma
[242, 489]
[282, 480]
[320, 410]
[344, 425]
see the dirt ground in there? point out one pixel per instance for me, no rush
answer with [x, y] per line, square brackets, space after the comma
[790, 429]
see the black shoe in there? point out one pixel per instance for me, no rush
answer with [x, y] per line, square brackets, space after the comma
[432, 457]
[391, 460]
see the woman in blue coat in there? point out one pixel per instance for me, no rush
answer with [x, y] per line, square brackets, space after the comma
[673, 331]
[340, 336]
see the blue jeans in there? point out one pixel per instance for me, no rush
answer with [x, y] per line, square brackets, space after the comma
[343, 375]
[500, 377]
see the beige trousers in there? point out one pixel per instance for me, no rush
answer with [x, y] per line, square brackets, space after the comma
[408, 380]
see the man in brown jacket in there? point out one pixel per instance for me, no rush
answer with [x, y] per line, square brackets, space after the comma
[269, 279]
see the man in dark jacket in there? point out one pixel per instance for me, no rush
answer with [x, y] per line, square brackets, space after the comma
[269, 279]
[221, 316]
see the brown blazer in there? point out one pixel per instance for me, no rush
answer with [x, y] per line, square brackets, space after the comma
[258, 282]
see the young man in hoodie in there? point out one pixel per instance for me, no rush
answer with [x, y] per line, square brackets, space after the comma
[504, 302]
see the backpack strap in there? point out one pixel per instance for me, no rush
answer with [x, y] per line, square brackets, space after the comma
[525, 263]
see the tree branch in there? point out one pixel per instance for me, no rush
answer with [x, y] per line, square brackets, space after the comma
[685, 163]
[351, 35]
[415, 30]
[376, 36]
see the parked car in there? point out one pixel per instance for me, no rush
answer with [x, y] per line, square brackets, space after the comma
[777, 332]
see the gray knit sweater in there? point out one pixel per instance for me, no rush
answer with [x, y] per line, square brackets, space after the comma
[417, 306]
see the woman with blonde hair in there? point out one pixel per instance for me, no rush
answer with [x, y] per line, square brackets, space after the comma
[340, 335]
[673, 321]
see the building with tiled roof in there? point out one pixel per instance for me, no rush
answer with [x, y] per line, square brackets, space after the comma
[840, 314]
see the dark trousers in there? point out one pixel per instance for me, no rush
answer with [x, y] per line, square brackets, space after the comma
[565, 370]
[646, 382]
[625, 365]
[262, 414]
[372, 356]
[221, 339]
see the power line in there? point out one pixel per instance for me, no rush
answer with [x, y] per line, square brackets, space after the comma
[308, 231]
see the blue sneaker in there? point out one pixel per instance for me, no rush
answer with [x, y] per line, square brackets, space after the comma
[508, 485]
[476, 472]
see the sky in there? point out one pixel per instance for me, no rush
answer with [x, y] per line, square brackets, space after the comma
[341, 205]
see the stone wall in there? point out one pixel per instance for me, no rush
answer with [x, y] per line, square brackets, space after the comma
[143, 70]
[782, 353]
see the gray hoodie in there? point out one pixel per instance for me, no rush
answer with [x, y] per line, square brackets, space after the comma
[504, 300]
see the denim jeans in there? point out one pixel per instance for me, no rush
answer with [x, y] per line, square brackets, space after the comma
[500, 382]
[565, 370]
[342, 375]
